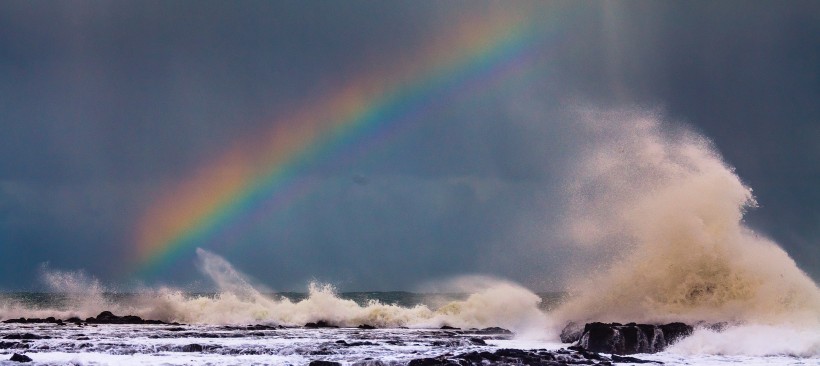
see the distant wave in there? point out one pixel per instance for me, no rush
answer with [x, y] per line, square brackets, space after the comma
[490, 303]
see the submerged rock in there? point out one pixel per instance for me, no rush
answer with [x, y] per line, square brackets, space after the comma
[523, 357]
[492, 330]
[320, 324]
[20, 358]
[324, 363]
[616, 338]
[193, 347]
[27, 336]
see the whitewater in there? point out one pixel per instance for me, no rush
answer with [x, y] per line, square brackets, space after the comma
[653, 211]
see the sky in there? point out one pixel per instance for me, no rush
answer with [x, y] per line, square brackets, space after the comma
[373, 145]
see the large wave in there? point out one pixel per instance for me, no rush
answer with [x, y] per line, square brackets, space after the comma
[664, 214]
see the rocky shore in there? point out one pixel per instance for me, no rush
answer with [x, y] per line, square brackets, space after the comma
[592, 344]
[625, 339]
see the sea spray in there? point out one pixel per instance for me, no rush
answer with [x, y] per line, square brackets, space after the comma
[752, 340]
[667, 212]
[237, 301]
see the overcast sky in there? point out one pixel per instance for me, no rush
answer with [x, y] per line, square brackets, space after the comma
[105, 104]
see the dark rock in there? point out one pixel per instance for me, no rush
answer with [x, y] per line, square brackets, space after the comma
[106, 317]
[261, 327]
[20, 358]
[521, 357]
[342, 342]
[366, 326]
[7, 345]
[493, 330]
[478, 341]
[369, 362]
[438, 361]
[627, 359]
[616, 338]
[571, 332]
[25, 336]
[320, 324]
[193, 347]
[674, 332]
[18, 320]
[324, 363]
[447, 327]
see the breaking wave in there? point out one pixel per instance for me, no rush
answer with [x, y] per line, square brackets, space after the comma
[662, 216]
[493, 303]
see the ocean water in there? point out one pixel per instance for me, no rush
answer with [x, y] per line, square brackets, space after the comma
[655, 217]
[411, 329]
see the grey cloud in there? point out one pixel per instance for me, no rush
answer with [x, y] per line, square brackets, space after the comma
[102, 104]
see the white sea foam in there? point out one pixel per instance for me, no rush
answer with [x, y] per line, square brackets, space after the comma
[752, 340]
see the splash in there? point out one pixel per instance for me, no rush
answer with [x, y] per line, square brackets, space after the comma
[752, 340]
[663, 216]
[493, 303]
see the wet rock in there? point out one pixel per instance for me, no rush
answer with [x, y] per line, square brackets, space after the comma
[366, 326]
[48, 320]
[25, 336]
[674, 332]
[20, 358]
[320, 324]
[342, 342]
[478, 341]
[369, 362]
[616, 338]
[521, 357]
[447, 327]
[324, 363]
[261, 327]
[193, 347]
[571, 332]
[627, 359]
[106, 317]
[7, 345]
[439, 361]
[18, 320]
[493, 330]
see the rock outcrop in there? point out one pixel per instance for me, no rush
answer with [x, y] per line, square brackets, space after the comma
[573, 356]
[105, 317]
[20, 358]
[625, 339]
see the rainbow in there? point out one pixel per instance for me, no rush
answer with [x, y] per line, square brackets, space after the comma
[265, 172]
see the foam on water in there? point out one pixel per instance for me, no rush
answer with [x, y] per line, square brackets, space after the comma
[752, 340]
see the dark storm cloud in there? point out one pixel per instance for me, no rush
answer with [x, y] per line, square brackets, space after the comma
[103, 104]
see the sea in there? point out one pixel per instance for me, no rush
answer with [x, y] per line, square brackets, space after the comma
[231, 328]
[656, 227]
